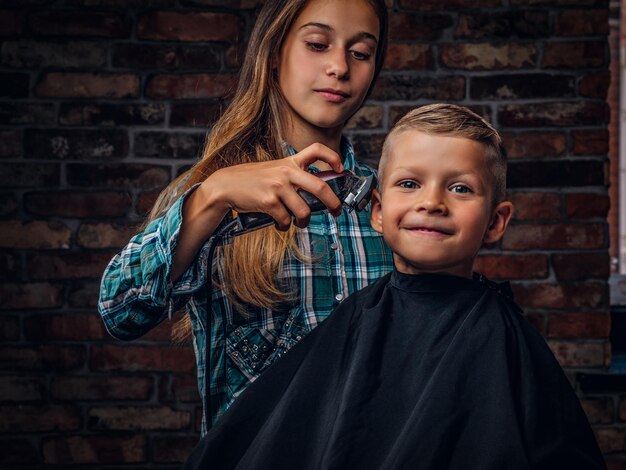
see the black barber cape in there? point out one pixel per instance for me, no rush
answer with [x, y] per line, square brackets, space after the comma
[423, 371]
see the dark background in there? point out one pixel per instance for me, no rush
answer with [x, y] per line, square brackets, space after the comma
[102, 102]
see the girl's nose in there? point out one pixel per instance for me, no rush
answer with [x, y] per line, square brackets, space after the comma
[338, 64]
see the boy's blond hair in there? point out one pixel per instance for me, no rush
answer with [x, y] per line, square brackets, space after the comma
[455, 121]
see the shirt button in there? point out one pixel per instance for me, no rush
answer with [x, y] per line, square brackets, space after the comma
[333, 246]
[339, 297]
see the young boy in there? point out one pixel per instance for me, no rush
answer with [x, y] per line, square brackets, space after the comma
[431, 367]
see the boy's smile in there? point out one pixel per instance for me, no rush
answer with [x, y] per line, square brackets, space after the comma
[437, 203]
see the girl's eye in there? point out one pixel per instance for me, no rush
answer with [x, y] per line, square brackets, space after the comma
[316, 46]
[461, 189]
[408, 184]
[360, 55]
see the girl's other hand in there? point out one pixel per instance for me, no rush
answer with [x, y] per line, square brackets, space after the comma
[270, 187]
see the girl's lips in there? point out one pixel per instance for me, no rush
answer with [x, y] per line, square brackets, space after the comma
[334, 96]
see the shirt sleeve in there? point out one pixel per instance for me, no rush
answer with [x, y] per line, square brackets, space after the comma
[136, 292]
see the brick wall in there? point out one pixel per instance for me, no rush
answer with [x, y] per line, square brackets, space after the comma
[102, 102]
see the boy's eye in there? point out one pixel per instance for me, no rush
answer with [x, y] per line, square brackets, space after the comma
[316, 46]
[461, 189]
[408, 184]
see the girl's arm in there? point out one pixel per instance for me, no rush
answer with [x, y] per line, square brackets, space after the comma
[268, 187]
[136, 291]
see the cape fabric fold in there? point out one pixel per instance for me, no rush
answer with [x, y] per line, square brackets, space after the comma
[414, 372]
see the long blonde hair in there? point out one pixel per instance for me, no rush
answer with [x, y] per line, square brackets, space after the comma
[250, 131]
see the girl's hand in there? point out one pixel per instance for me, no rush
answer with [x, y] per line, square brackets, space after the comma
[270, 187]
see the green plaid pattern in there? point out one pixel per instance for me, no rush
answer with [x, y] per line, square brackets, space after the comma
[136, 293]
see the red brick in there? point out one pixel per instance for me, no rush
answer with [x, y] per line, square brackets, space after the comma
[368, 146]
[95, 450]
[88, 85]
[10, 144]
[535, 205]
[586, 205]
[585, 22]
[598, 410]
[368, 117]
[191, 86]
[622, 408]
[142, 358]
[558, 2]
[409, 57]
[180, 389]
[508, 87]
[129, 175]
[8, 204]
[102, 388]
[21, 388]
[417, 27]
[20, 451]
[76, 144]
[173, 449]
[234, 55]
[84, 294]
[18, 113]
[79, 23]
[198, 115]
[130, 418]
[571, 354]
[162, 57]
[32, 295]
[581, 266]
[9, 328]
[561, 114]
[556, 173]
[28, 175]
[503, 24]
[146, 201]
[534, 144]
[611, 439]
[594, 142]
[10, 266]
[566, 236]
[512, 266]
[104, 235]
[589, 295]
[59, 327]
[42, 357]
[11, 22]
[44, 418]
[615, 462]
[579, 325]
[78, 204]
[409, 87]
[40, 54]
[448, 4]
[71, 265]
[35, 234]
[192, 26]
[168, 145]
[595, 85]
[574, 54]
[111, 114]
[485, 56]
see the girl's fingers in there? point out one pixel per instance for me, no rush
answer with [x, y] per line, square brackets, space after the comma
[318, 188]
[315, 152]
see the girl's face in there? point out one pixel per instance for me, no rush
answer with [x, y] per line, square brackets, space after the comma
[327, 63]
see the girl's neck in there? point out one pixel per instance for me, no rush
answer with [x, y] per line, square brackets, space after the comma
[301, 137]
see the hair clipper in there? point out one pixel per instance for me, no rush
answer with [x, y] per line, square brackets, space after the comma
[353, 191]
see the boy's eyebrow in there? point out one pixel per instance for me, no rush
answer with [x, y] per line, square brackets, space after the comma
[361, 35]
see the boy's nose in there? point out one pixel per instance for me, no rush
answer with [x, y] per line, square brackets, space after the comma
[432, 202]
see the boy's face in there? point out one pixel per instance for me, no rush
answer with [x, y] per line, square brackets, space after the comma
[436, 209]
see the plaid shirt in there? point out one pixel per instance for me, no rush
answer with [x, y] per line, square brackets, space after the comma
[136, 293]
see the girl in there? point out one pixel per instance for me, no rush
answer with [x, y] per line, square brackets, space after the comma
[308, 69]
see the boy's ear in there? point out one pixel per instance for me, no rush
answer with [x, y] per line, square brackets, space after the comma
[499, 221]
[376, 216]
